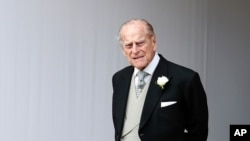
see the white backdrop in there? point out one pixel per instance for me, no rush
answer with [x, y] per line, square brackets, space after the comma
[57, 58]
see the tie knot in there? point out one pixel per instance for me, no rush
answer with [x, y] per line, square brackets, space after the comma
[140, 80]
[141, 75]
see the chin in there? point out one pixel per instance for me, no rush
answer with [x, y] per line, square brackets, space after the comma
[140, 67]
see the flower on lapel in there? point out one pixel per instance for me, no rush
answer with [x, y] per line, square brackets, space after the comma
[161, 81]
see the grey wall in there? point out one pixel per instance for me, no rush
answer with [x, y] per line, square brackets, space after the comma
[228, 67]
[57, 58]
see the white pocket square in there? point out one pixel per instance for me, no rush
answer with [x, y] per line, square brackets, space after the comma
[165, 104]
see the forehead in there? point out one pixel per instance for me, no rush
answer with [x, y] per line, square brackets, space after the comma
[133, 31]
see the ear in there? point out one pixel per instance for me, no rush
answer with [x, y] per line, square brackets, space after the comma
[154, 43]
[123, 52]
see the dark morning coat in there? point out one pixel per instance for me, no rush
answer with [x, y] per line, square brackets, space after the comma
[168, 123]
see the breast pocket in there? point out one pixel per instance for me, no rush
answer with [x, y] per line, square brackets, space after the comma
[167, 105]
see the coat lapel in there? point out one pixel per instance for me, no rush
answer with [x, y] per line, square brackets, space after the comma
[154, 92]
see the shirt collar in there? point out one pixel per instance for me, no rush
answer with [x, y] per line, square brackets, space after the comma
[151, 66]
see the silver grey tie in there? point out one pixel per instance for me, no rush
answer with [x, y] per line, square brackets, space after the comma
[141, 82]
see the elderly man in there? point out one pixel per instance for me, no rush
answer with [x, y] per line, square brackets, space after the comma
[153, 98]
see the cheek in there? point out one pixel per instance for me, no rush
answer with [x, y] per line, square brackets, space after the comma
[150, 53]
[126, 54]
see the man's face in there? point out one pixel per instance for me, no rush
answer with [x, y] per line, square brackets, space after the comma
[138, 46]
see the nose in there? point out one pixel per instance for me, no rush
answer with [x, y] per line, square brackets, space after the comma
[135, 48]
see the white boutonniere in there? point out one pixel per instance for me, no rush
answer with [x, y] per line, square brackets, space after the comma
[161, 81]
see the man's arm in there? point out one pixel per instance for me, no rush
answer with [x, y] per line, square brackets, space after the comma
[196, 110]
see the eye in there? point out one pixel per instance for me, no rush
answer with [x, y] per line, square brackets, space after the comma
[128, 46]
[139, 44]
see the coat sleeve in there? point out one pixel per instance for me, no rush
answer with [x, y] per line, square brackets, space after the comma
[196, 114]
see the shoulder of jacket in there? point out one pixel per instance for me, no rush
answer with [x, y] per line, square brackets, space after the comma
[125, 71]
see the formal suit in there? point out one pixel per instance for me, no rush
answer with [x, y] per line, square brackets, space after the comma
[185, 120]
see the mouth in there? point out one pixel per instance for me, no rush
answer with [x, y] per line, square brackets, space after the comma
[138, 57]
